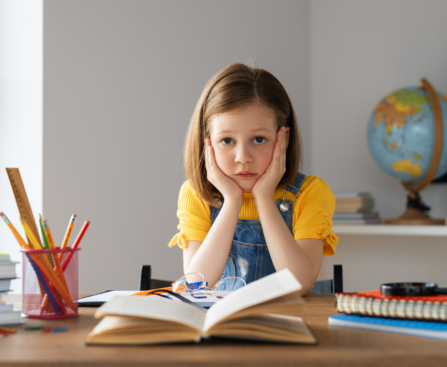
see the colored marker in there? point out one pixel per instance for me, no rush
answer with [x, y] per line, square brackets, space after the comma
[30, 328]
[59, 330]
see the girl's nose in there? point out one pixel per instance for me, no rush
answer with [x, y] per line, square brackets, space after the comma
[243, 155]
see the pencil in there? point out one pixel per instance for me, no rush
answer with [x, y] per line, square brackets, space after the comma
[16, 234]
[76, 244]
[48, 233]
[45, 240]
[68, 232]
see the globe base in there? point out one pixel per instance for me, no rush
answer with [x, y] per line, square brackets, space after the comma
[415, 217]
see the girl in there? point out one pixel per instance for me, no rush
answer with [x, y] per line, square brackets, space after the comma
[245, 209]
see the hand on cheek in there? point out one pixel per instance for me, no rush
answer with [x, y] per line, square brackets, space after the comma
[228, 187]
[266, 184]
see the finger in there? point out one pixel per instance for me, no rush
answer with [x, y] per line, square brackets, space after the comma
[283, 148]
[212, 158]
[277, 153]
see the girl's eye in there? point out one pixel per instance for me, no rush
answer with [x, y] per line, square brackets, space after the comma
[259, 140]
[227, 141]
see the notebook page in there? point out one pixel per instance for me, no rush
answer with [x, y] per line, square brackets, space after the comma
[155, 308]
[273, 286]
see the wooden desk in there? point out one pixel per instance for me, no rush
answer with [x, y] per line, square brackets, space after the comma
[337, 346]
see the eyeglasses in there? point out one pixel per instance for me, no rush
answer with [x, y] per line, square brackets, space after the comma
[195, 285]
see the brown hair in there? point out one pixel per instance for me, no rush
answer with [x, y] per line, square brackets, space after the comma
[235, 86]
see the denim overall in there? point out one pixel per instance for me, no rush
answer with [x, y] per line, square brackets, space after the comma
[249, 256]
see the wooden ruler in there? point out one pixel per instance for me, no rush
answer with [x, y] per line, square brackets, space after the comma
[22, 200]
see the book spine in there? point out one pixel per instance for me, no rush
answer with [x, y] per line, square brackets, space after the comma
[392, 308]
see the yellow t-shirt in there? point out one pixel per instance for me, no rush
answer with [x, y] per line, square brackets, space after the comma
[312, 214]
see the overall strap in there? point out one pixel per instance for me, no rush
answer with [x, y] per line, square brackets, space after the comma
[285, 204]
[295, 188]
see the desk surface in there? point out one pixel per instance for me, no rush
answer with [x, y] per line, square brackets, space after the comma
[337, 346]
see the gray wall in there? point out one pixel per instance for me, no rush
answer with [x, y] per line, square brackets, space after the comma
[360, 52]
[121, 80]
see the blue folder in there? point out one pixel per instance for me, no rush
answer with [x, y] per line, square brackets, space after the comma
[428, 329]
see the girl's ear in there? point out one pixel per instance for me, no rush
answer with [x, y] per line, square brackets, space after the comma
[287, 134]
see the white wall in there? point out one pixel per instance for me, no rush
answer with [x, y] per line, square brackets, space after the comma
[360, 52]
[20, 113]
[121, 80]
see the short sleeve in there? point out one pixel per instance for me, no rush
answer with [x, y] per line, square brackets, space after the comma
[194, 217]
[312, 214]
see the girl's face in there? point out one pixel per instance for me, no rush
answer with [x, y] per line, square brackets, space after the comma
[243, 141]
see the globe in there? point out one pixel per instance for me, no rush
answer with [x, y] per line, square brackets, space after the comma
[401, 134]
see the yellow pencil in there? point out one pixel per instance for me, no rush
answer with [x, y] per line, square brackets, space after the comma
[48, 233]
[68, 232]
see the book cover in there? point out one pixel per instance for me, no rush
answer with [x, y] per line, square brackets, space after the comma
[428, 329]
[8, 269]
[373, 303]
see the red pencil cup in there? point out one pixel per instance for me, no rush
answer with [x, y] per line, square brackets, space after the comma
[50, 283]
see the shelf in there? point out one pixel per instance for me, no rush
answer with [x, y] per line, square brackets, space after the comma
[390, 230]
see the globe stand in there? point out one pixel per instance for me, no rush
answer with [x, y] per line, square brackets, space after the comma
[415, 214]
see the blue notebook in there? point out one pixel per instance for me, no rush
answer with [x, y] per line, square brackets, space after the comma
[428, 329]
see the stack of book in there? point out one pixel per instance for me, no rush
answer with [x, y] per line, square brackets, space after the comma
[420, 316]
[355, 208]
[7, 273]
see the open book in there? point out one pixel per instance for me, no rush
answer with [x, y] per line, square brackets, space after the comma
[252, 312]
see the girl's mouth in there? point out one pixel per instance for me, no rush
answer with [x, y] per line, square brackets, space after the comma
[246, 174]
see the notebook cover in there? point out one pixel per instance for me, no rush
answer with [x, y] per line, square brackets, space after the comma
[377, 294]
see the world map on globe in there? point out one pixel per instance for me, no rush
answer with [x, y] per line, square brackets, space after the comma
[401, 134]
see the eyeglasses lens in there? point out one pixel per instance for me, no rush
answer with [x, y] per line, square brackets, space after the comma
[189, 282]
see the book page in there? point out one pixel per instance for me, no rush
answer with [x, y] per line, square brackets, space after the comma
[266, 327]
[270, 287]
[153, 308]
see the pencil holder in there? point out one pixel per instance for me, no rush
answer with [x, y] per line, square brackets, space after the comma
[50, 283]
